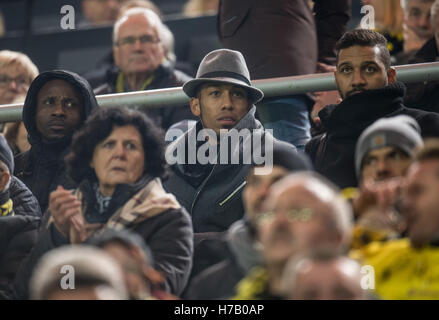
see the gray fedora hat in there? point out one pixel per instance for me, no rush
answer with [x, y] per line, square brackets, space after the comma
[224, 66]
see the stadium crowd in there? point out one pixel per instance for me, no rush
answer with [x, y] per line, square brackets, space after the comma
[329, 195]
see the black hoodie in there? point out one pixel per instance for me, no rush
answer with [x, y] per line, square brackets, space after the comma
[333, 155]
[42, 168]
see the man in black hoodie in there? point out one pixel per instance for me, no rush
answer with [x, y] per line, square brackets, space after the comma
[57, 104]
[368, 87]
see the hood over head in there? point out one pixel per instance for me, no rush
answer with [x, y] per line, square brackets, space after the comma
[30, 104]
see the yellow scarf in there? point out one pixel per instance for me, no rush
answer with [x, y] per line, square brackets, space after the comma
[120, 83]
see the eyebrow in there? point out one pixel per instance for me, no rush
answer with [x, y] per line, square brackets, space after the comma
[362, 64]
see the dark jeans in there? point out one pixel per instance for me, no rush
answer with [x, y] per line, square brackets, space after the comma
[288, 117]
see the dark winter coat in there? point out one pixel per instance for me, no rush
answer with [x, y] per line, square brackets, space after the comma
[24, 202]
[282, 38]
[333, 153]
[216, 202]
[240, 255]
[164, 77]
[167, 233]
[18, 234]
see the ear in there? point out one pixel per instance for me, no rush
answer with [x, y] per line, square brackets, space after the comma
[195, 106]
[391, 75]
[116, 55]
[4, 179]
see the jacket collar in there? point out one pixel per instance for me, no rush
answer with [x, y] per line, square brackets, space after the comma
[247, 122]
[357, 112]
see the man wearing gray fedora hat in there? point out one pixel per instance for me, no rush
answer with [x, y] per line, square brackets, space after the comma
[223, 98]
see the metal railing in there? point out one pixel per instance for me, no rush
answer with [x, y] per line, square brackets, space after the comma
[275, 87]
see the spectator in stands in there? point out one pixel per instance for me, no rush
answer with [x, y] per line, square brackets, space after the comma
[194, 8]
[16, 134]
[323, 275]
[117, 160]
[416, 27]
[19, 221]
[383, 154]
[239, 251]
[167, 36]
[139, 54]
[97, 276]
[425, 95]
[407, 268]
[16, 73]
[303, 212]
[136, 261]
[386, 148]
[368, 87]
[57, 104]
[223, 99]
[99, 12]
[280, 39]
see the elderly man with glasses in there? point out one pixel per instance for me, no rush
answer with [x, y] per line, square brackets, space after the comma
[140, 57]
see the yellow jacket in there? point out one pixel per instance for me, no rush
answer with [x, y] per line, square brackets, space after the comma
[401, 271]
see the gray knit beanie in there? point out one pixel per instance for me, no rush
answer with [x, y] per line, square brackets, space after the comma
[402, 132]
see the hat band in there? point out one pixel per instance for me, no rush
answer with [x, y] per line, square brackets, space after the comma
[225, 74]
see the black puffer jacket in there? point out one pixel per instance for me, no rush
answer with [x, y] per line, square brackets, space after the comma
[333, 153]
[42, 167]
[164, 77]
[24, 202]
[17, 237]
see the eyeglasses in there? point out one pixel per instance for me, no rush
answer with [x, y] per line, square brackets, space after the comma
[20, 82]
[293, 215]
[132, 40]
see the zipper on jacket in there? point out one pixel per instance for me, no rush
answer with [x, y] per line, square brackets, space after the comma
[232, 194]
[201, 188]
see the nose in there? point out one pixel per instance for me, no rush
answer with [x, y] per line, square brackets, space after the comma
[227, 102]
[58, 110]
[138, 46]
[382, 165]
[13, 85]
[119, 150]
[425, 22]
[358, 79]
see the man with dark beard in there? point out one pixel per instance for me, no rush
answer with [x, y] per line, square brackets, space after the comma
[368, 87]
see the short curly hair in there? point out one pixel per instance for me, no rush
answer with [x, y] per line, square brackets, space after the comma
[364, 38]
[99, 126]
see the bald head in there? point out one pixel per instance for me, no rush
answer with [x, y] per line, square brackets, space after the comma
[303, 211]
